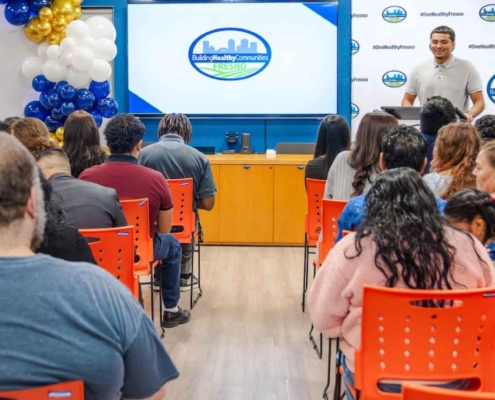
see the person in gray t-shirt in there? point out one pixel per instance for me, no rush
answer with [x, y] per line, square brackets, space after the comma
[64, 321]
[446, 76]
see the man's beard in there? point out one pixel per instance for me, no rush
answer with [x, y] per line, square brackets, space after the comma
[39, 228]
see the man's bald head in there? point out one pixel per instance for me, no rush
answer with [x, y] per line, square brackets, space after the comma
[53, 161]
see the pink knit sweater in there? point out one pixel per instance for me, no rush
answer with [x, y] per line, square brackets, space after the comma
[336, 297]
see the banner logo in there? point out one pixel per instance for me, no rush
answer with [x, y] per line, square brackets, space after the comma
[394, 14]
[355, 47]
[487, 13]
[230, 54]
[394, 79]
[354, 110]
[491, 89]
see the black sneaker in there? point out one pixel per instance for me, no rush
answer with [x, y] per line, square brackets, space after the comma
[185, 284]
[173, 319]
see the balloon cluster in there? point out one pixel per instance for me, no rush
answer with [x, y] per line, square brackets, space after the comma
[18, 12]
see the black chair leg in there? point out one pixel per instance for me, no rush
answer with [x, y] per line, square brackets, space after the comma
[160, 298]
[325, 394]
[305, 272]
[319, 350]
[338, 377]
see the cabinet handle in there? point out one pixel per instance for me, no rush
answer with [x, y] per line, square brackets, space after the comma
[246, 166]
[300, 166]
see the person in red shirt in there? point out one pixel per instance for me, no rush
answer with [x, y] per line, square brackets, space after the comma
[124, 135]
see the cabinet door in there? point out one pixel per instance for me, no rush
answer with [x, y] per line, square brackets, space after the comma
[210, 220]
[246, 206]
[289, 204]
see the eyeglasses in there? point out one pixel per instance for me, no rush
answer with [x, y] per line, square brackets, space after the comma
[45, 152]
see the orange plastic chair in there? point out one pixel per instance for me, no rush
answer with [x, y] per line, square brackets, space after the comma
[184, 224]
[404, 341]
[66, 390]
[113, 250]
[421, 392]
[312, 225]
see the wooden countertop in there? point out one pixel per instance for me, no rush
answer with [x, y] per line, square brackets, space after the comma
[259, 159]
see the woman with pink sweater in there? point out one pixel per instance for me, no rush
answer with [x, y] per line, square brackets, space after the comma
[403, 243]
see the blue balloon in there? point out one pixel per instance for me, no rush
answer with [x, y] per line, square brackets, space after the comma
[112, 109]
[35, 109]
[59, 86]
[84, 99]
[57, 114]
[97, 117]
[37, 5]
[100, 89]
[4, 1]
[41, 84]
[55, 100]
[67, 108]
[102, 105]
[52, 124]
[44, 97]
[68, 92]
[17, 12]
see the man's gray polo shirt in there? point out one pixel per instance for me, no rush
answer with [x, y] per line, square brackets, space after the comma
[454, 80]
[176, 160]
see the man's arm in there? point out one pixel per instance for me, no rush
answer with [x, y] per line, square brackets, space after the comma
[408, 100]
[206, 203]
[164, 223]
[478, 105]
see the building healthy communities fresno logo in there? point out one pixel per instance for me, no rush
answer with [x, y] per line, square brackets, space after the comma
[230, 54]
[487, 13]
[491, 89]
[355, 47]
[394, 79]
[354, 110]
[394, 14]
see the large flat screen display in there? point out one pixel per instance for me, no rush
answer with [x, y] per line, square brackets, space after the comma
[233, 58]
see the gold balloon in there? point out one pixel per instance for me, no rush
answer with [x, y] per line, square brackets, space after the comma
[64, 8]
[77, 2]
[54, 38]
[31, 30]
[45, 14]
[53, 138]
[59, 24]
[77, 12]
[59, 134]
[61, 144]
[105, 149]
[44, 28]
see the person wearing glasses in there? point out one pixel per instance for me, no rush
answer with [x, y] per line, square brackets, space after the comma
[446, 76]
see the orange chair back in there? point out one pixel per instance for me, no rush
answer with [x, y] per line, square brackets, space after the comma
[420, 392]
[331, 211]
[113, 250]
[314, 195]
[184, 220]
[137, 213]
[73, 390]
[402, 340]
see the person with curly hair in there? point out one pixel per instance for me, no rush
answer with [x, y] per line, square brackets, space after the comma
[353, 171]
[33, 134]
[486, 127]
[454, 159]
[82, 142]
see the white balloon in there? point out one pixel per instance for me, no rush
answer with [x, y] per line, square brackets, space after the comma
[78, 30]
[68, 45]
[100, 71]
[54, 51]
[32, 66]
[105, 49]
[66, 58]
[54, 70]
[82, 58]
[78, 79]
[88, 42]
[102, 28]
[42, 51]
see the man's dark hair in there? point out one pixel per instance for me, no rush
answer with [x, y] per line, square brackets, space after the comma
[436, 113]
[444, 29]
[6, 124]
[404, 146]
[123, 133]
[486, 127]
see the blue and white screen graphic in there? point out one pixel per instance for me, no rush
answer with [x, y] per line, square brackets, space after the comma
[233, 59]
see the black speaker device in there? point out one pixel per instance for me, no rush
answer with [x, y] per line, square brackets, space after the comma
[246, 144]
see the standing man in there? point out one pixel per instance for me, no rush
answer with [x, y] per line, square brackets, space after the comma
[446, 76]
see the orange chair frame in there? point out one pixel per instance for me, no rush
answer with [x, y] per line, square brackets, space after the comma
[423, 392]
[73, 390]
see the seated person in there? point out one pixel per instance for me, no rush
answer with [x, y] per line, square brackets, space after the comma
[484, 170]
[86, 205]
[175, 159]
[33, 134]
[124, 135]
[6, 124]
[78, 322]
[61, 241]
[473, 211]
[486, 128]
[402, 243]
[403, 146]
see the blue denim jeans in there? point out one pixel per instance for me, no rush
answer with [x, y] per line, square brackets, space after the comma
[167, 249]
[389, 387]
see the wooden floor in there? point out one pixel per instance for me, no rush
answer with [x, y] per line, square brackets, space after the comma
[247, 339]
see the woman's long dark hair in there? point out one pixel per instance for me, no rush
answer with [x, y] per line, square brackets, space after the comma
[403, 220]
[82, 142]
[55, 218]
[366, 155]
[467, 204]
[333, 137]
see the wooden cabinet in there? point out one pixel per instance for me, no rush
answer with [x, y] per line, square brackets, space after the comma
[246, 204]
[210, 220]
[289, 199]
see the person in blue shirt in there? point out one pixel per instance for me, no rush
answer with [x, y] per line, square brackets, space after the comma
[473, 211]
[403, 146]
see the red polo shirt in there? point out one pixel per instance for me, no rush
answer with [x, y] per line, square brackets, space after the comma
[132, 181]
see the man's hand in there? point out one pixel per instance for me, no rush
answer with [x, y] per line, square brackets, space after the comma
[469, 117]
